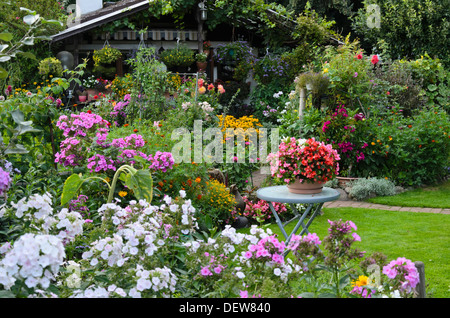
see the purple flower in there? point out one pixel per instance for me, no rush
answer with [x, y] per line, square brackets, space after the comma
[5, 181]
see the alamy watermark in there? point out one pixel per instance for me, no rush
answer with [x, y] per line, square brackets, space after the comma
[373, 16]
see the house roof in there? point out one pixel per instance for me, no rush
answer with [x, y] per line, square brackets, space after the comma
[99, 17]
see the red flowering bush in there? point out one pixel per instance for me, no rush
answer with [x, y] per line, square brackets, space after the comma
[305, 159]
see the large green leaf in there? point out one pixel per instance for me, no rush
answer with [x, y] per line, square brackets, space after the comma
[6, 37]
[141, 183]
[18, 116]
[16, 149]
[3, 73]
[71, 187]
[31, 18]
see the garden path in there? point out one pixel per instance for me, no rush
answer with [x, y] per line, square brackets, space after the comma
[258, 178]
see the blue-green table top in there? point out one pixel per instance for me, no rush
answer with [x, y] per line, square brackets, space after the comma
[281, 194]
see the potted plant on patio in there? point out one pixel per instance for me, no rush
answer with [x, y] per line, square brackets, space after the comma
[304, 164]
[82, 94]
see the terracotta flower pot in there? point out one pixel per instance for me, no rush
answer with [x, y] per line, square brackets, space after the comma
[305, 187]
[344, 181]
[82, 98]
[202, 66]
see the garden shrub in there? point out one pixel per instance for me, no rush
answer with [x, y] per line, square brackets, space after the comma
[408, 150]
[407, 29]
[50, 66]
[349, 73]
[395, 85]
[362, 189]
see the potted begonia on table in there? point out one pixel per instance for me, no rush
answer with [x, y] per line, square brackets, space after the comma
[304, 164]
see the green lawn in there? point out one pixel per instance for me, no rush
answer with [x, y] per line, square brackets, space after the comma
[417, 236]
[430, 197]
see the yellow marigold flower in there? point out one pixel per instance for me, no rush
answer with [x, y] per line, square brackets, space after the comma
[122, 193]
[361, 281]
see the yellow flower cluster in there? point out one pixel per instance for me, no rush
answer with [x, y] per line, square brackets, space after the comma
[121, 86]
[37, 87]
[174, 81]
[219, 197]
[244, 123]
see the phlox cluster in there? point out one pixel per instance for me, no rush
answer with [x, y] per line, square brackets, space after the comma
[38, 211]
[81, 124]
[86, 130]
[34, 259]
[158, 280]
[404, 271]
[304, 247]
[267, 249]
[120, 106]
[161, 161]
[214, 265]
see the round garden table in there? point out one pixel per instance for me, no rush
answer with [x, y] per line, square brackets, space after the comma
[281, 194]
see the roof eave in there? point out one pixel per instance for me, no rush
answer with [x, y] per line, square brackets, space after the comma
[92, 23]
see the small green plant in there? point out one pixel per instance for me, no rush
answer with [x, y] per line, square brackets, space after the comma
[366, 188]
[201, 57]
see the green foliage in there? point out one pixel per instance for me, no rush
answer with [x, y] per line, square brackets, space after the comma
[19, 34]
[408, 150]
[13, 146]
[395, 85]
[408, 29]
[349, 76]
[434, 79]
[147, 99]
[50, 66]
[312, 29]
[140, 181]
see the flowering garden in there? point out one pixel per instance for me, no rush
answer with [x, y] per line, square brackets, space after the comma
[95, 201]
